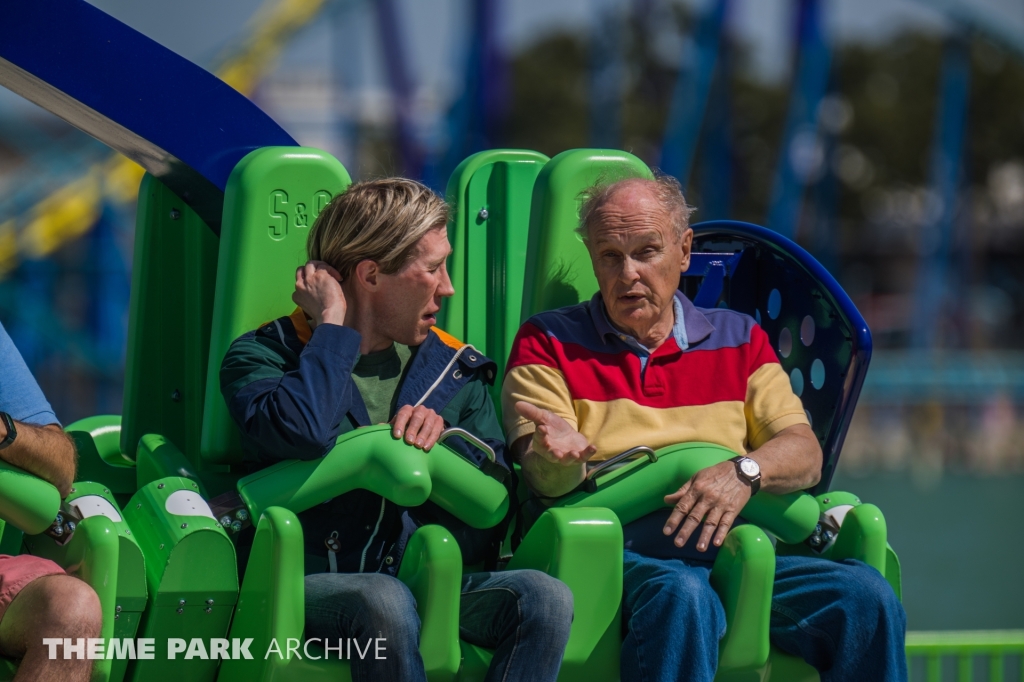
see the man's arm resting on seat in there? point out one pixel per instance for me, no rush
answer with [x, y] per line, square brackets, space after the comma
[554, 458]
[714, 497]
[45, 451]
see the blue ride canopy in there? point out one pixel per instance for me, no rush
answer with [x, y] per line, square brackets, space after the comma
[179, 122]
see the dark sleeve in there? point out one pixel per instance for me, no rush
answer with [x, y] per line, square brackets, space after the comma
[286, 412]
[474, 411]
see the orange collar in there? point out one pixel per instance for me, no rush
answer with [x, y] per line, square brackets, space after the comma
[305, 332]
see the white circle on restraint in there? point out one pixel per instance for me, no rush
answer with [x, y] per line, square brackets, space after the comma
[95, 505]
[187, 503]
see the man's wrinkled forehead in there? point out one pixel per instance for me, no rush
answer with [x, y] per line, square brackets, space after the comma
[630, 205]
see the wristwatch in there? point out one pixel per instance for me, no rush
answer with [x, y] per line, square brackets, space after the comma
[12, 432]
[749, 471]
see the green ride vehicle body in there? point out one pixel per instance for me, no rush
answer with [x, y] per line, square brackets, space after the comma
[514, 253]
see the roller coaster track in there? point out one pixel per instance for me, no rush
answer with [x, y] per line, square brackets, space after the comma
[73, 209]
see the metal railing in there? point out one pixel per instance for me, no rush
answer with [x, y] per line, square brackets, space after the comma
[997, 646]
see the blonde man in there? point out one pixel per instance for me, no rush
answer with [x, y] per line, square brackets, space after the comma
[362, 349]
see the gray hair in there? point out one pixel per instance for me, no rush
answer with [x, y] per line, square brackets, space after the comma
[664, 188]
[379, 220]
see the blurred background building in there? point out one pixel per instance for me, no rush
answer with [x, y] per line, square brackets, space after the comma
[885, 136]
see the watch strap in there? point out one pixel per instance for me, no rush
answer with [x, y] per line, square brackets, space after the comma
[12, 432]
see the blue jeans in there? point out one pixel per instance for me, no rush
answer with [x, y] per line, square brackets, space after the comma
[841, 617]
[523, 615]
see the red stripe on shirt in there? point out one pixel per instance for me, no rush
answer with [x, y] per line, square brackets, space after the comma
[706, 376]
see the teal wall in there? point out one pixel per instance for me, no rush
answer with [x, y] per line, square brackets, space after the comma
[960, 540]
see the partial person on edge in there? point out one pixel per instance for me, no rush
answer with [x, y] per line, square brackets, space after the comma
[638, 364]
[37, 598]
[362, 349]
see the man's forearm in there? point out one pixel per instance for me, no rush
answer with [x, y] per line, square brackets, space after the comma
[790, 461]
[542, 476]
[549, 479]
[45, 451]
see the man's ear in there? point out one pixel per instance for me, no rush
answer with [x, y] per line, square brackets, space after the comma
[685, 242]
[366, 275]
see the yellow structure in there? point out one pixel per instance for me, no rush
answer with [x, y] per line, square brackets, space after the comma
[72, 210]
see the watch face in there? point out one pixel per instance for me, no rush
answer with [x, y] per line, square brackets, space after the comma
[749, 468]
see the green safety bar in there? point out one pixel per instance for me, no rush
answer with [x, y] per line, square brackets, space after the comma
[743, 575]
[637, 488]
[372, 459]
[92, 555]
[572, 545]
[271, 603]
[26, 501]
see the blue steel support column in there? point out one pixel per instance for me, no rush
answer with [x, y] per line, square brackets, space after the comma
[342, 81]
[397, 64]
[824, 242]
[717, 165]
[109, 283]
[475, 119]
[800, 142]
[493, 85]
[946, 172]
[690, 96]
[607, 76]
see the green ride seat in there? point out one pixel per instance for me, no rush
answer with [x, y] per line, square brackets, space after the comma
[255, 277]
[558, 272]
[488, 230]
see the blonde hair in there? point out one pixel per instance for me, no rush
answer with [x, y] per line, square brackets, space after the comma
[379, 220]
[665, 189]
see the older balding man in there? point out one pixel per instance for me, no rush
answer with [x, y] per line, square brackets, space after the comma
[639, 364]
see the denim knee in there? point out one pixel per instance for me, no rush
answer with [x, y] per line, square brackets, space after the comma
[367, 604]
[688, 590]
[868, 598]
[673, 618]
[544, 598]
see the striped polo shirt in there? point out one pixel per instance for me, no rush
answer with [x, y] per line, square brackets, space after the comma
[716, 379]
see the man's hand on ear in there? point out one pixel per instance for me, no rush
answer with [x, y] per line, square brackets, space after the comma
[318, 292]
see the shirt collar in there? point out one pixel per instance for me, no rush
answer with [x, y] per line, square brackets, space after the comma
[690, 325]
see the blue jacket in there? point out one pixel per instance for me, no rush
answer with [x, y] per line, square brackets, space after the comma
[291, 393]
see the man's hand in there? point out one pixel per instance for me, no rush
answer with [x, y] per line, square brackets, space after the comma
[318, 292]
[713, 497]
[555, 440]
[421, 426]
[789, 461]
